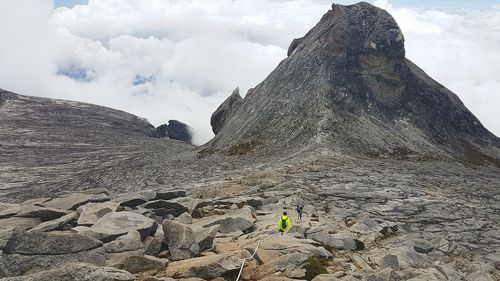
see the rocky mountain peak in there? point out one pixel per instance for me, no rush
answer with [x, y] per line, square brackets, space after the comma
[354, 30]
[346, 86]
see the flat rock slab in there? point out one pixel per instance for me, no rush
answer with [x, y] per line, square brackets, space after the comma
[137, 264]
[241, 219]
[77, 272]
[164, 208]
[44, 213]
[16, 264]
[54, 224]
[75, 200]
[92, 212]
[49, 243]
[8, 210]
[169, 195]
[207, 267]
[120, 223]
[130, 200]
[18, 223]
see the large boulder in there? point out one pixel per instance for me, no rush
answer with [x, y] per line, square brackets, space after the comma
[92, 212]
[129, 242]
[241, 219]
[31, 252]
[120, 223]
[175, 130]
[75, 200]
[49, 243]
[339, 241]
[77, 272]
[207, 267]
[140, 263]
[186, 241]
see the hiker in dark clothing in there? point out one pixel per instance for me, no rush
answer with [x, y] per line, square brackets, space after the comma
[300, 210]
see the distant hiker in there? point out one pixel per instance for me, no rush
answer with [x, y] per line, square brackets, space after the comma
[300, 209]
[284, 223]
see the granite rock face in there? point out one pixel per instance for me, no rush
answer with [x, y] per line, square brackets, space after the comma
[51, 147]
[175, 130]
[347, 86]
[223, 113]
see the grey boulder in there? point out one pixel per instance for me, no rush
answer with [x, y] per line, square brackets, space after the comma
[92, 212]
[186, 241]
[120, 223]
[77, 272]
[137, 264]
[207, 267]
[49, 243]
[129, 242]
[241, 219]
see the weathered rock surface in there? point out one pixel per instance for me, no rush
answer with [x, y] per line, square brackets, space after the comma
[206, 267]
[130, 200]
[75, 200]
[175, 130]
[43, 213]
[120, 223]
[223, 113]
[77, 272]
[164, 208]
[55, 224]
[129, 242]
[241, 219]
[187, 241]
[137, 264]
[53, 243]
[349, 88]
[92, 212]
[8, 210]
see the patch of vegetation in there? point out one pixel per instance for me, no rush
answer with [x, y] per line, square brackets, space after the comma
[243, 148]
[473, 156]
[315, 267]
[205, 152]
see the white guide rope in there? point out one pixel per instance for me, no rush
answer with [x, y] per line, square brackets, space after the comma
[254, 252]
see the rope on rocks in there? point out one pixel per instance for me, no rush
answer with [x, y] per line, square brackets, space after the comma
[254, 252]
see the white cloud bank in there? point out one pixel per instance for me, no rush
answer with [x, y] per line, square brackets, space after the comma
[180, 59]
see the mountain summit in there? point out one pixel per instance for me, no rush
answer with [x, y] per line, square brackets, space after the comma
[347, 86]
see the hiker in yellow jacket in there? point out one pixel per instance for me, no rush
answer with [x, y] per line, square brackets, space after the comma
[284, 223]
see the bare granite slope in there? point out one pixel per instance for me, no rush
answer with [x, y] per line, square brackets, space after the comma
[48, 146]
[347, 86]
